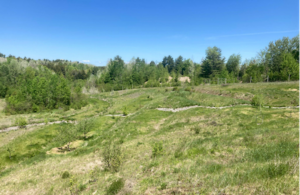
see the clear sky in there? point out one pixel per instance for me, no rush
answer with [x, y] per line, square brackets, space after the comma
[95, 31]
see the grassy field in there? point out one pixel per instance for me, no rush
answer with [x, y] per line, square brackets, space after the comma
[235, 150]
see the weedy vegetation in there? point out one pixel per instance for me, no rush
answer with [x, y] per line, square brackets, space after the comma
[238, 142]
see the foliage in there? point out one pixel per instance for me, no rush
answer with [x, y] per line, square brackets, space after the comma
[163, 186]
[188, 89]
[275, 170]
[66, 134]
[125, 112]
[85, 125]
[115, 187]
[32, 87]
[21, 121]
[157, 149]
[264, 153]
[233, 63]
[233, 154]
[257, 100]
[213, 63]
[65, 175]
[112, 157]
[175, 89]
[196, 130]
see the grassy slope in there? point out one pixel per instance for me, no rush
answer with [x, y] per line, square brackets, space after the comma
[234, 151]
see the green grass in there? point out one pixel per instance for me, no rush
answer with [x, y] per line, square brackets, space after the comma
[236, 150]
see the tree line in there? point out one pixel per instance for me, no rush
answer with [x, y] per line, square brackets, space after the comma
[279, 61]
[32, 85]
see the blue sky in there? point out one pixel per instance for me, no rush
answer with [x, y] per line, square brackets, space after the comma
[96, 31]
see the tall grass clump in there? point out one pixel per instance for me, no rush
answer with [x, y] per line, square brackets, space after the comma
[271, 151]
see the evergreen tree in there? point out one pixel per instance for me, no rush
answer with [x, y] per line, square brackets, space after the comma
[213, 63]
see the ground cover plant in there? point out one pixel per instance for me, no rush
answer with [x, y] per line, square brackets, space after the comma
[120, 143]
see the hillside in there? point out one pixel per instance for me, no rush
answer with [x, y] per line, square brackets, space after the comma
[122, 144]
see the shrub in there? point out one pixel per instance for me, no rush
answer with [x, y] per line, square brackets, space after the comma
[21, 122]
[196, 130]
[84, 126]
[257, 100]
[112, 157]
[166, 90]
[82, 187]
[157, 149]
[163, 186]
[115, 187]
[188, 89]
[125, 112]
[35, 108]
[94, 174]
[73, 185]
[175, 89]
[65, 175]
[176, 170]
[10, 151]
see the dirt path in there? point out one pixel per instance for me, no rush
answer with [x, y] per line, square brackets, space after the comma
[33, 125]
[189, 107]
[209, 107]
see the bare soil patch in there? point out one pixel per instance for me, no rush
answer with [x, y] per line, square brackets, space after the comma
[64, 149]
[184, 79]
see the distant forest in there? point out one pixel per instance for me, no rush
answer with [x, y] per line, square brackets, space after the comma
[30, 85]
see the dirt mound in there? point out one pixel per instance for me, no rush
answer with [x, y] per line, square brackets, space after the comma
[184, 79]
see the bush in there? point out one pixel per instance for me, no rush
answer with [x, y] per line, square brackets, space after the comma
[196, 130]
[175, 89]
[125, 112]
[166, 90]
[82, 187]
[65, 175]
[157, 149]
[46, 121]
[188, 89]
[21, 122]
[115, 187]
[257, 100]
[112, 158]
[163, 186]
[84, 126]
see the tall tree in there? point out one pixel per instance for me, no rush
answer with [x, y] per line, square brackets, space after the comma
[179, 65]
[115, 68]
[233, 63]
[213, 63]
[168, 62]
[289, 65]
[152, 63]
